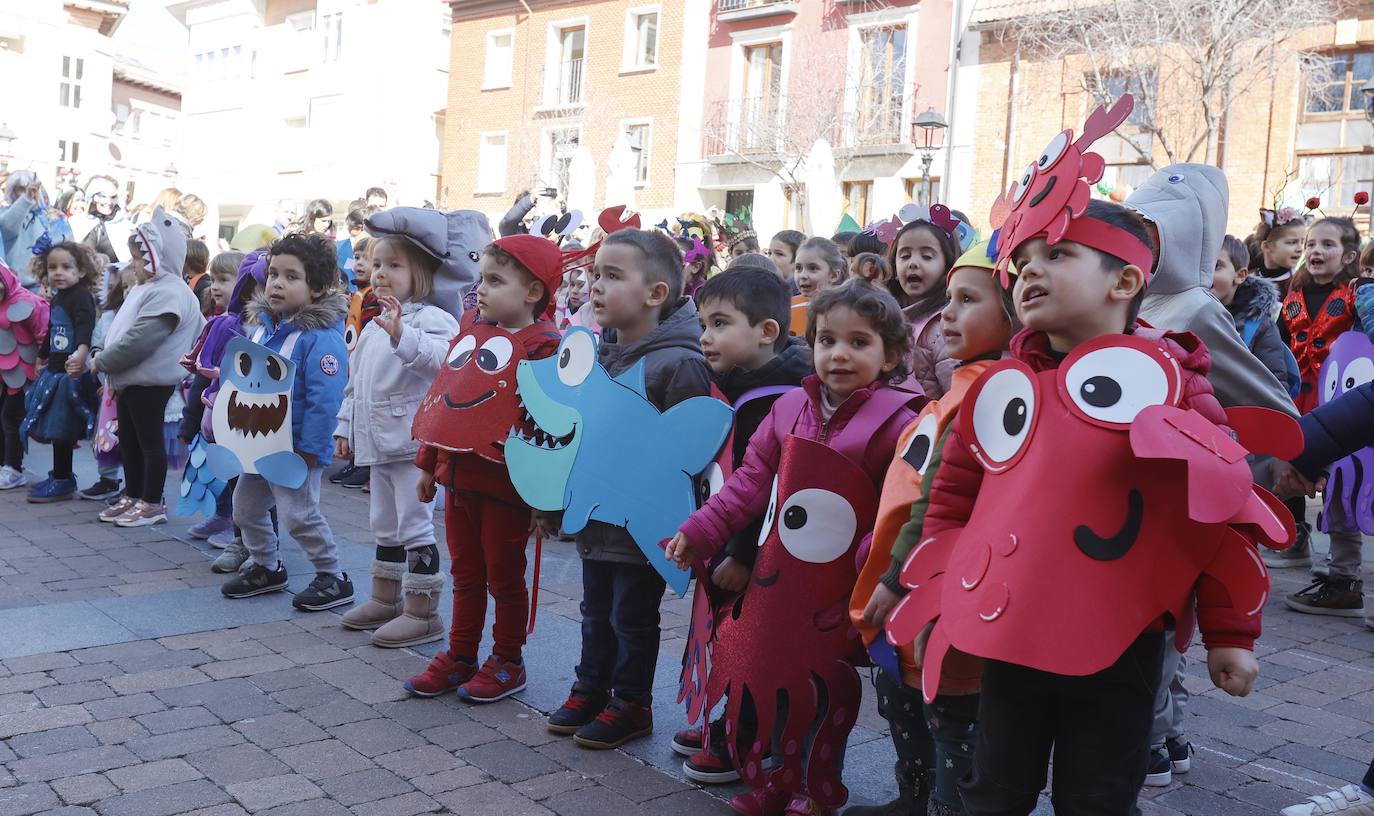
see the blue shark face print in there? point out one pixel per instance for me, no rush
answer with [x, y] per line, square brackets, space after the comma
[252, 415]
[599, 450]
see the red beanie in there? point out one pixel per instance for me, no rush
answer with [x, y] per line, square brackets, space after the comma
[541, 257]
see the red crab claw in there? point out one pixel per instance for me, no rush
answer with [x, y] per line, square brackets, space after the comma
[1266, 518]
[613, 219]
[1244, 581]
[1264, 430]
[1218, 477]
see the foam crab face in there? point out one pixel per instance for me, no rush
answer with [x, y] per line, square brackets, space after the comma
[1048, 194]
[472, 403]
[1349, 365]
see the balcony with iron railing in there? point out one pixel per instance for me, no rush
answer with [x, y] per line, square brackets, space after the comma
[566, 86]
[743, 127]
[730, 10]
[755, 127]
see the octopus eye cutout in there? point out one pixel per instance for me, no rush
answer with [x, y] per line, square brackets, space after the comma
[768, 516]
[1023, 186]
[1114, 384]
[1053, 151]
[1357, 373]
[817, 526]
[274, 369]
[245, 363]
[576, 358]
[494, 354]
[1002, 417]
[920, 448]
[461, 352]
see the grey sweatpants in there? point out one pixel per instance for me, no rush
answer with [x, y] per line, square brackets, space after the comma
[298, 511]
[1170, 697]
[1345, 544]
[397, 516]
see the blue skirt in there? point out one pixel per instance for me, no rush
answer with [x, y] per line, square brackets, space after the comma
[59, 408]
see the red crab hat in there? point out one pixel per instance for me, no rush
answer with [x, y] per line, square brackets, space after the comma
[472, 404]
[1050, 197]
[541, 257]
[1162, 502]
[790, 629]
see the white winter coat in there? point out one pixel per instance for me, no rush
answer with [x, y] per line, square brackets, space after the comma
[386, 383]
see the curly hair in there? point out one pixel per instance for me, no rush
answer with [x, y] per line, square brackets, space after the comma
[82, 255]
[875, 305]
[316, 253]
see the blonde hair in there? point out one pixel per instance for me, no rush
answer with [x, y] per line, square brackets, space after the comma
[422, 264]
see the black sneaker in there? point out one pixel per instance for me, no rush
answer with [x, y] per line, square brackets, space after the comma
[1161, 770]
[102, 490]
[342, 473]
[1342, 597]
[618, 723]
[357, 478]
[325, 592]
[581, 707]
[710, 766]
[255, 580]
[688, 741]
[1180, 754]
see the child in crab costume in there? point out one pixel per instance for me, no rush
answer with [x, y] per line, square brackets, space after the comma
[23, 329]
[1066, 604]
[815, 465]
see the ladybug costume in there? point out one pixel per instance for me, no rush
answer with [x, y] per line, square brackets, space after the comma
[1310, 336]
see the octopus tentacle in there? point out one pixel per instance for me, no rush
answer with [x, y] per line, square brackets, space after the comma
[836, 721]
[791, 743]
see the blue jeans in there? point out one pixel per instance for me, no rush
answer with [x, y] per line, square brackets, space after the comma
[620, 628]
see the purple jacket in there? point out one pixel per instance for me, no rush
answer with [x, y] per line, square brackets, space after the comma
[744, 497]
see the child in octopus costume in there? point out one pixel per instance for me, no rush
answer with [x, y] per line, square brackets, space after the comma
[23, 330]
[815, 465]
[933, 740]
[1066, 605]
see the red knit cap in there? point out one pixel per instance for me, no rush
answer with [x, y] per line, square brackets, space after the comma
[541, 257]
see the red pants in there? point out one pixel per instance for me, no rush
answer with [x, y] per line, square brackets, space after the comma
[486, 547]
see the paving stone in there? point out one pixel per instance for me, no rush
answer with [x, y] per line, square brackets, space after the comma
[25, 682]
[312, 807]
[279, 730]
[338, 712]
[461, 735]
[74, 693]
[23, 800]
[131, 705]
[450, 779]
[261, 794]
[492, 797]
[166, 800]
[72, 763]
[18, 701]
[70, 810]
[700, 803]
[246, 666]
[55, 741]
[84, 789]
[27, 722]
[542, 787]
[408, 804]
[237, 763]
[592, 801]
[365, 786]
[115, 732]
[153, 774]
[39, 663]
[1197, 800]
[157, 680]
[227, 809]
[419, 714]
[592, 764]
[413, 762]
[284, 679]
[180, 743]
[177, 719]
[642, 784]
[375, 737]
[509, 761]
[320, 760]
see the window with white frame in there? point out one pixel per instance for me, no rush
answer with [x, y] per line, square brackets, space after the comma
[220, 63]
[331, 34]
[500, 57]
[565, 77]
[491, 163]
[69, 94]
[641, 39]
[1334, 162]
[637, 135]
[68, 152]
[882, 85]
[560, 145]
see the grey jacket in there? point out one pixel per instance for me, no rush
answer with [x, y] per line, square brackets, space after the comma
[674, 370]
[1257, 301]
[1187, 205]
[166, 327]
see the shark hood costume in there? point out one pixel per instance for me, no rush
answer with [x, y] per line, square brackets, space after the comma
[455, 239]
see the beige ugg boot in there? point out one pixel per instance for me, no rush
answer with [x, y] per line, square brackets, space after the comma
[385, 604]
[420, 623]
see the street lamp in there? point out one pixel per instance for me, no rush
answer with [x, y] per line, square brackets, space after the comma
[7, 137]
[929, 123]
[1367, 89]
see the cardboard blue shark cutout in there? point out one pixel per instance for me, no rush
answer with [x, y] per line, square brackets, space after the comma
[600, 451]
[252, 415]
[200, 488]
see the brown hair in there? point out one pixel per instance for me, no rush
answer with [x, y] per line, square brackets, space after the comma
[82, 255]
[934, 299]
[882, 270]
[1267, 232]
[874, 304]
[504, 258]
[197, 258]
[422, 264]
[1350, 242]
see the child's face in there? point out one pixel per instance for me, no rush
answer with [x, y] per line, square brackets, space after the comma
[1284, 250]
[1063, 291]
[507, 295]
[622, 296]
[920, 262]
[287, 289]
[741, 248]
[1226, 278]
[1326, 257]
[849, 353]
[727, 339]
[812, 274]
[393, 276]
[782, 254]
[362, 268]
[576, 290]
[62, 271]
[973, 322]
[221, 286]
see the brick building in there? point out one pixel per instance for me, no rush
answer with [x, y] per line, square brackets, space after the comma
[1303, 134]
[581, 96]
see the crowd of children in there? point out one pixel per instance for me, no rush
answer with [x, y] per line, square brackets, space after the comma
[857, 349]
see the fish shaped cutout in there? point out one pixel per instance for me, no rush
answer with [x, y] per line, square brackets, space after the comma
[251, 418]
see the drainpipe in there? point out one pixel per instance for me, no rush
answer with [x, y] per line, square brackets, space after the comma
[1012, 87]
[951, 99]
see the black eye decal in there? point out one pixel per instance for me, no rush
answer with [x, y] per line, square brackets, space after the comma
[1101, 391]
[565, 358]
[462, 351]
[274, 369]
[245, 364]
[474, 257]
[494, 354]
[794, 518]
[1014, 417]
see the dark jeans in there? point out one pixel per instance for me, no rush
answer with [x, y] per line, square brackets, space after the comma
[1098, 727]
[620, 628]
[224, 503]
[935, 738]
[140, 409]
[11, 415]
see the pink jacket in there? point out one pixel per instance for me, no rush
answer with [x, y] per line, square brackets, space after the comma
[744, 497]
[930, 364]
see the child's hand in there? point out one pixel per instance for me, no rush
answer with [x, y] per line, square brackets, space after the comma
[390, 318]
[880, 605]
[1233, 669]
[547, 525]
[341, 448]
[76, 364]
[425, 489]
[730, 575]
[680, 551]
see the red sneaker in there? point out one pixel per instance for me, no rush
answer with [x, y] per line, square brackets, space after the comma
[803, 805]
[443, 674]
[710, 766]
[765, 801]
[496, 680]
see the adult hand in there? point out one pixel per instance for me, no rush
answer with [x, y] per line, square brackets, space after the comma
[1233, 670]
[1288, 481]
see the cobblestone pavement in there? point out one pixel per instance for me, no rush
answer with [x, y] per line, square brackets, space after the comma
[129, 687]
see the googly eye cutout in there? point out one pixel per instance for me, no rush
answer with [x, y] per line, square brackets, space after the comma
[1023, 185]
[816, 526]
[461, 352]
[1109, 381]
[275, 369]
[475, 256]
[569, 223]
[999, 415]
[920, 448]
[494, 354]
[1053, 151]
[769, 516]
[1175, 179]
[576, 357]
[1356, 374]
[1331, 381]
[350, 337]
[245, 363]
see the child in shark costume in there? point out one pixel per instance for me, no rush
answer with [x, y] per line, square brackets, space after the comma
[158, 323]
